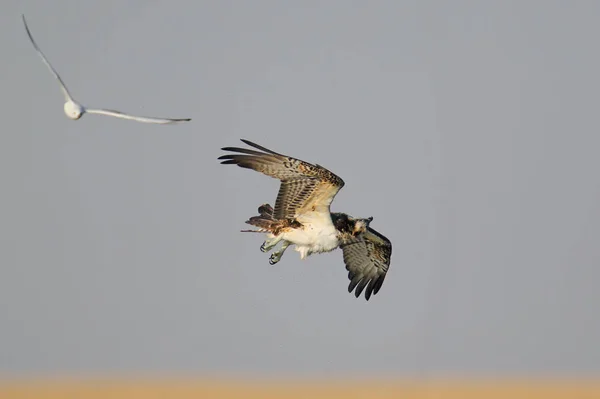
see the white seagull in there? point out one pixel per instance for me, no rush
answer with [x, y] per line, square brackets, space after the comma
[74, 110]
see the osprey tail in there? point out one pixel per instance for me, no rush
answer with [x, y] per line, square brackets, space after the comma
[264, 221]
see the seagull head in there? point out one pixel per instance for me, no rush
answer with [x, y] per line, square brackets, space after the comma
[73, 110]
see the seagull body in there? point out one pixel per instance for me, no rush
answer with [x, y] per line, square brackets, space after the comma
[75, 111]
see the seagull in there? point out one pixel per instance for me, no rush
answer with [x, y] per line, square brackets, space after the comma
[74, 110]
[302, 217]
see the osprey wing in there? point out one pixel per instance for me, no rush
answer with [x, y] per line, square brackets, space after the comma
[304, 187]
[367, 258]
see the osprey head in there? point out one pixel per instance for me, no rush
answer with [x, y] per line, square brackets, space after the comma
[361, 225]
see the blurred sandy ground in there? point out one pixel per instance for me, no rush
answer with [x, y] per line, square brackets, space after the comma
[255, 389]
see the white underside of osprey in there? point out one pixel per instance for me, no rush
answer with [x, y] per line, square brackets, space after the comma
[316, 236]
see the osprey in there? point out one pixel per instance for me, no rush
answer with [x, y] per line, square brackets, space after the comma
[302, 217]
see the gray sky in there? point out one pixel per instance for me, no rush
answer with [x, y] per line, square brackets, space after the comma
[469, 130]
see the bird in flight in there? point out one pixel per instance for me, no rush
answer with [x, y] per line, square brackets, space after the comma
[302, 217]
[74, 110]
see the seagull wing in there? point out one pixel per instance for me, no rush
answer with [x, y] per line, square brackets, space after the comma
[63, 87]
[145, 119]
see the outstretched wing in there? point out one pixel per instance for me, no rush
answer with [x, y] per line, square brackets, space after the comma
[145, 119]
[304, 187]
[63, 87]
[367, 258]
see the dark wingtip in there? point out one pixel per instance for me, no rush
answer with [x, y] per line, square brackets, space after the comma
[25, 23]
[259, 147]
[369, 289]
[378, 284]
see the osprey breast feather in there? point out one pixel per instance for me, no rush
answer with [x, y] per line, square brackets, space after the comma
[302, 217]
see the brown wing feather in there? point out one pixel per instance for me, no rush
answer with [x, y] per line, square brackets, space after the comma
[367, 258]
[304, 186]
